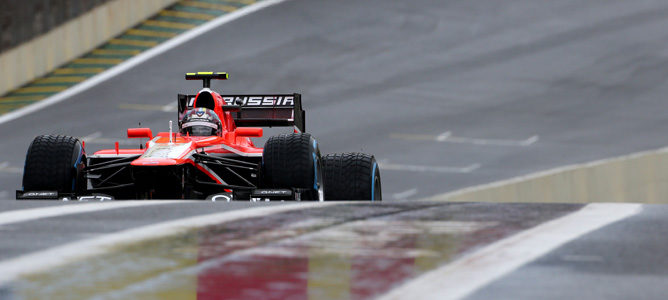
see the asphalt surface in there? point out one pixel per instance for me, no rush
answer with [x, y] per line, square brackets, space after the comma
[521, 86]
[586, 78]
[624, 260]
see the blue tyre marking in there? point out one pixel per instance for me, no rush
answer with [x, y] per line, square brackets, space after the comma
[80, 156]
[315, 171]
[373, 182]
[74, 180]
[315, 166]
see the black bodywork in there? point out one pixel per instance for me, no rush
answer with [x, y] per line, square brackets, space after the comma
[117, 178]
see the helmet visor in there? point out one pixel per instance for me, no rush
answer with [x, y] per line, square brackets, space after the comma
[200, 128]
[201, 131]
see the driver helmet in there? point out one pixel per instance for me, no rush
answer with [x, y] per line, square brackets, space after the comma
[201, 122]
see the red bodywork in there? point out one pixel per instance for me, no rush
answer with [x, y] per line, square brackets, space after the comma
[161, 151]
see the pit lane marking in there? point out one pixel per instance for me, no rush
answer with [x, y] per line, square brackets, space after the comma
[464, 276]
[448, 137]
[386, 165]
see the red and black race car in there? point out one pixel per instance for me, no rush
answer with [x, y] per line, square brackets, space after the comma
[211, 157]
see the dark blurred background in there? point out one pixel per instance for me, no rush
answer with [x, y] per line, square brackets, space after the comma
[22, 20]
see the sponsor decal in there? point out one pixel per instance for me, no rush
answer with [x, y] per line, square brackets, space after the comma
[40, 195]
[261, 100]
[173, 151]
[95, 198]
[272, 193]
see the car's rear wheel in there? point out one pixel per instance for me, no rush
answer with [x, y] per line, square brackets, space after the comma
[351, 176]
[55, 163]
[293, 161]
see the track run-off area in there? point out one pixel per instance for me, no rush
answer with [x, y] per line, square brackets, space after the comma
[454, 98]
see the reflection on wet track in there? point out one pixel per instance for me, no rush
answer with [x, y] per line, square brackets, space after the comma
[345, 251]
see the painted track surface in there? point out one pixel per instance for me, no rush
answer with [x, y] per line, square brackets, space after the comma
[391, 78]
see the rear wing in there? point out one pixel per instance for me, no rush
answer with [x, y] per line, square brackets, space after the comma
[260, 110]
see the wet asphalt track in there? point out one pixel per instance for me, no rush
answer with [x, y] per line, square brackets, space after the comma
[587, 80]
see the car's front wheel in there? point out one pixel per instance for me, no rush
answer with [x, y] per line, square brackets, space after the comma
[293, 161]
[55, 163]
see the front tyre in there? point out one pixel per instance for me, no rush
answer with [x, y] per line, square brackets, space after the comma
[352, 176]
[55, 163]
[293, 161]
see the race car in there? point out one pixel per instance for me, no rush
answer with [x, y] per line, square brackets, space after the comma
[211, 156]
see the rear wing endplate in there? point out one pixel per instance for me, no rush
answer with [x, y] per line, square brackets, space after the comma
[260, 110]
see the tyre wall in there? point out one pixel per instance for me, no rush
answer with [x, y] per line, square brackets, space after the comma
[39, 35]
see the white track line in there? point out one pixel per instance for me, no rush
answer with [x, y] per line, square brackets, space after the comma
[6, 168]
[464, 276]
[61, 255]
[15, 216]
[91, 136]
[132, 62]
[489, 142]
[443, 136]
[385, 165]
[448, 137]
[405, 194]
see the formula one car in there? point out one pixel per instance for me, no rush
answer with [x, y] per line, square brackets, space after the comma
[211, 157]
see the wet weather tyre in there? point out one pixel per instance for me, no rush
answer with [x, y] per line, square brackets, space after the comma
[55, 163]
[293, 161]
[351, 176]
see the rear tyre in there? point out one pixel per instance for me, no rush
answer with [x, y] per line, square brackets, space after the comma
[55, 163]
[351, 176]
[293, 161]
